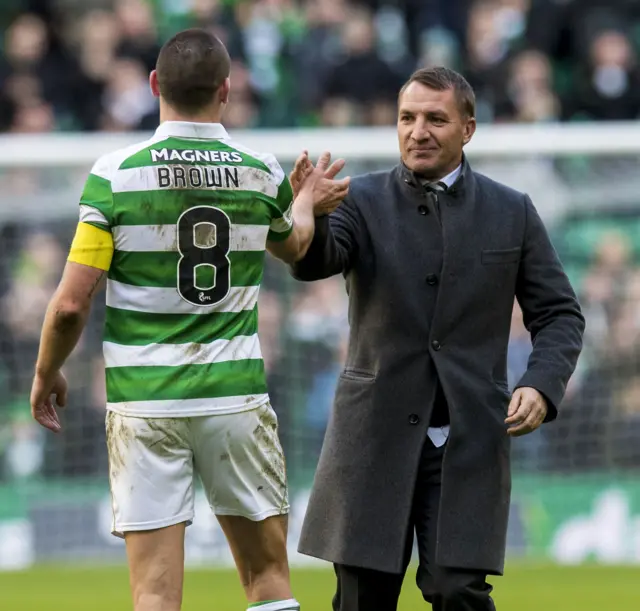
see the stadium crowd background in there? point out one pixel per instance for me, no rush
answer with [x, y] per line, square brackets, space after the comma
[82, 65]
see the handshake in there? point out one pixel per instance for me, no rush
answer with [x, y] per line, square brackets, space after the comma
[317, 185]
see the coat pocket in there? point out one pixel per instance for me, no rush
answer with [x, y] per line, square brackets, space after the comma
[508, 255]
[358, 375]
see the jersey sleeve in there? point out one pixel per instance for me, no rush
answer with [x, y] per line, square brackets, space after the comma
[96, 202]
[282, 217]
[93, 243]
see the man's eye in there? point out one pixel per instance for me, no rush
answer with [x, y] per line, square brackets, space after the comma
[438, 121]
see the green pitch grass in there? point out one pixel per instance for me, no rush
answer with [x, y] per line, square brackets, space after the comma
[523, 589]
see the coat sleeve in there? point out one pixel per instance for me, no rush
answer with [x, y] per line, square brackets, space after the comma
[551, 313]
[334, 246]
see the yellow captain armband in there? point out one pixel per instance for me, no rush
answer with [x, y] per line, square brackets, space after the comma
[92, 246]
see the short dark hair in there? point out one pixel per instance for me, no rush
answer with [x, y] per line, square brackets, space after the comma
[441, 79]
[191, 67]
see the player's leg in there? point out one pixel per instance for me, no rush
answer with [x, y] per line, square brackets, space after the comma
[151, 477]
[241, 464]
[260, 552]
[156, 567]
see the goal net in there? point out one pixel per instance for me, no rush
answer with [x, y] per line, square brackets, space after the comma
[576, 494]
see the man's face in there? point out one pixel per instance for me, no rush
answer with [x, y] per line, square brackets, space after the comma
[431, 130]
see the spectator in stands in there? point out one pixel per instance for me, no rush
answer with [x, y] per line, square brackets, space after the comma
[127, 100]
[598, 424]
[97, 38]
[603, 287]
[487, 49]
[362, 88]
[244, 113]
[31, 75]
[138, 35]
[318, 328]
[318, 51]
[528, 95]
[608, 88]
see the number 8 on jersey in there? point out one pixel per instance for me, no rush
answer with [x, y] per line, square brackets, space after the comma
[203, 240]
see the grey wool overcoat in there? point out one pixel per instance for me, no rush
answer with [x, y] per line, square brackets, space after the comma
[428, 300]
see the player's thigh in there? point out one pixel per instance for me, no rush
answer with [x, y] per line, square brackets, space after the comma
[150, 472]
[241, 464]
[156, 561]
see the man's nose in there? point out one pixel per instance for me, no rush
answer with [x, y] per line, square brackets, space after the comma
[420, 131]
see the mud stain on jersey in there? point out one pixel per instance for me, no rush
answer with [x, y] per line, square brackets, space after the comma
[257, 175]
[191, 352]
[162, 231]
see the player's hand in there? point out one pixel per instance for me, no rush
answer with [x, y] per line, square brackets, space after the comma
[527, 411]
[326, 192]
[42, 408]
[302, 168]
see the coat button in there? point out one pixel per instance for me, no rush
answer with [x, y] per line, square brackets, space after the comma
[414, 419]
[435, 344]
[423, 210]
[432, 279]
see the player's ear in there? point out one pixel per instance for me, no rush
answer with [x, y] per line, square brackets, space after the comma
[153, 83]
[224, 90]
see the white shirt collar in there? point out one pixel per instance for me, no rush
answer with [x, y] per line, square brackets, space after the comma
[449, 179]
[188, 129]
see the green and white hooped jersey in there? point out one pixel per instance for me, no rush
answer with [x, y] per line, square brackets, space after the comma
[190, 212]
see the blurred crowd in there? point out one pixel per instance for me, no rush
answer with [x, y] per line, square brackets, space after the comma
[71, 65]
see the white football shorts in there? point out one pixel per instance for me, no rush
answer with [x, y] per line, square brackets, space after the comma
[153, 463]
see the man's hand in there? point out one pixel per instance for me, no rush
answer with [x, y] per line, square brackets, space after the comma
[42, 407]
[319, 182]
[527, 411]
[302, 168]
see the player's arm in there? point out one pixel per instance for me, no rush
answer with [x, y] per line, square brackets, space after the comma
[291, 233]
[296, 242]
[66, 316]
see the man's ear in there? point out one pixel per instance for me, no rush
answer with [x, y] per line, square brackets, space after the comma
[153, 83]
[224, 90]
[469, 130]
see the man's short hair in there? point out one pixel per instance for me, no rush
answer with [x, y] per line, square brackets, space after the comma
[190, 69]
[441, 79]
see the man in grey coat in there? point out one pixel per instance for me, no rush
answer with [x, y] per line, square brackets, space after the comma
[419, 438]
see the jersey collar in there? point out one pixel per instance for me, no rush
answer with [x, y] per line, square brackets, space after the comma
[188, 129]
